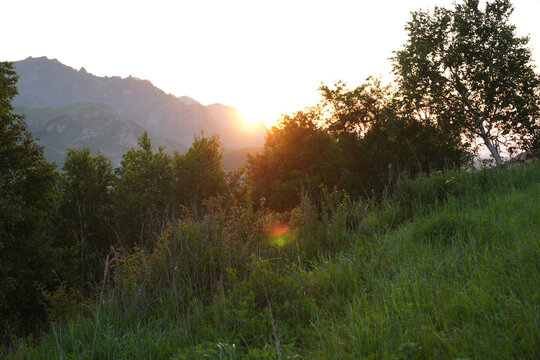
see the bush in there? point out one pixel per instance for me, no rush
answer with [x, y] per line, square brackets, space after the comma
[194, 254]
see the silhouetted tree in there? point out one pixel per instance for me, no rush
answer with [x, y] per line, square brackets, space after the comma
[27, 203]
[397, 144]
[86, 217]
[353, 112]
[348, 116]
[298, 155]
[143, 195]
[378, 140]
[467, 71]
[198, 174]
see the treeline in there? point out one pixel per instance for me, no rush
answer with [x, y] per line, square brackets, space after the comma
[359, 140]
[58, 227]
[68, 235]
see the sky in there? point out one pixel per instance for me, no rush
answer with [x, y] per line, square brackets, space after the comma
[262, 57]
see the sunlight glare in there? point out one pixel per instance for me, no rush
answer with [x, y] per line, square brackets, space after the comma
[278, 233]
[271, 121]
[256, 117]
[249, 118]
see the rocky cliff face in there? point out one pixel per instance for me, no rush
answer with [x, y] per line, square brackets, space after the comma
[48, 83]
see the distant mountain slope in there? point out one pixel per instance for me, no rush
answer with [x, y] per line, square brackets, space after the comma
[233, 159]
[81, 124]
[49, 83]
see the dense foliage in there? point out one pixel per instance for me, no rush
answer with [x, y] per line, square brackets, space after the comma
[360, 140]
[27, 205]
[85, 216]
[298, 156]
[466, 70]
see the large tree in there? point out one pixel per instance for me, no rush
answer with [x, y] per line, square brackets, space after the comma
[143, 194]
[379, 140]
[86, 216]
[467, 70]
[298, 156]
[27, 203]
[198, 174]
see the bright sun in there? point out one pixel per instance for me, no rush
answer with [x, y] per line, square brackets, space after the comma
[271, 121]
[254, 118]
[250, 120]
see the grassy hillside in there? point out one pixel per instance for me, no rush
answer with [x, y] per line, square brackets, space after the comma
[447, 267]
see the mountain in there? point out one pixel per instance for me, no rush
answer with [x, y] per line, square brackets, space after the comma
[235, 158]
[82, 124]
[46, 82]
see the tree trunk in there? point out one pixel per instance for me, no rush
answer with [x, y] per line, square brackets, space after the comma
[492, 149]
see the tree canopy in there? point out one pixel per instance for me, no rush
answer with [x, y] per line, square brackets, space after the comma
[143, 193]
[298, 155]
[27, 205]
[198, 174]
[86, 216]
[467, 70]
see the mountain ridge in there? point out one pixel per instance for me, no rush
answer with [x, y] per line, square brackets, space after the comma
[47, 82]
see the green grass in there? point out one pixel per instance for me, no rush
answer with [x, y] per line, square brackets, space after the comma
[447, 268]
[461, 282]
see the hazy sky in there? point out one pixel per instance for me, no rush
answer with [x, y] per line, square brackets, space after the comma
[263, 57]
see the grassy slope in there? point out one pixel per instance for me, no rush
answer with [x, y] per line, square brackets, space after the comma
[447, 269]
[460, 282]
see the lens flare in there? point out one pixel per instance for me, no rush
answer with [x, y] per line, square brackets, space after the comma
[278, 233]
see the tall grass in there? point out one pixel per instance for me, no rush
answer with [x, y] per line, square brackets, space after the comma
[447, 266]
[459, 282]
